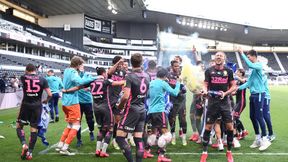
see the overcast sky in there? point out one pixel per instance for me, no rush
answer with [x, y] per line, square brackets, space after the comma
[260, 13]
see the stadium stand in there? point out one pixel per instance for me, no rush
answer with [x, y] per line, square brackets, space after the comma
[272, 63]
[207, 57]
[231, 57]
[284, 60]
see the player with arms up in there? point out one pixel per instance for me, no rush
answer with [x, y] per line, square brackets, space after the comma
[116, 73]
[103, 111]
[132, 101]
[31, 108]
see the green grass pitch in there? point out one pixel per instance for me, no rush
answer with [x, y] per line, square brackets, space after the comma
[10, 147]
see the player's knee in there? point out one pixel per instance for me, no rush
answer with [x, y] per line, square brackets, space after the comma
[69, 125]
[161, 142]
[151, 140]
[168, 137]
[208, 127]
[164, 139]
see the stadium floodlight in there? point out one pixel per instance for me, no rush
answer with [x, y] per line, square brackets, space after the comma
[225, 29]
[144, 14]
[178, 19]
[246, 31]
[110, 7]
[114, 11]
[183, 22]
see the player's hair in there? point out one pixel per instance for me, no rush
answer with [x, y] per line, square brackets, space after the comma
[162, 72]
[151, 64]
[199, 62]
[222, 53]
[76, 61]
[136, 60]
[100, 70]
[30, 68]
[116, 59]
[252, 53]
[51, 71]
[173, 62]
[242, 71]
[179, 57]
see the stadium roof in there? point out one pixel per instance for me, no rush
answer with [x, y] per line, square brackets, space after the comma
[132, 11]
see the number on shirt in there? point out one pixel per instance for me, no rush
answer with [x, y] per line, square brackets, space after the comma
[34, 88]
[143, 86]
[97, 88]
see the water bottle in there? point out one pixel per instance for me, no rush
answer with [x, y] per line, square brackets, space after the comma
[215, 94]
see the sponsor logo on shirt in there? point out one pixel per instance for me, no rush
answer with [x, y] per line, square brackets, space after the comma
[141, 96]
[219, 80]
[172, 81]
[117, 78]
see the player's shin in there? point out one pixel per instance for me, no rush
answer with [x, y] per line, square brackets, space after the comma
[32, 142]
[229, 139]
[106, 140]
[72, 134]
[125, 148]
[206, 138]
[99, 140]
[140, 149]
[21, 135]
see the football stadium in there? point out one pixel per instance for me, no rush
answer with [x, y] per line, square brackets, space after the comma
[143, 80]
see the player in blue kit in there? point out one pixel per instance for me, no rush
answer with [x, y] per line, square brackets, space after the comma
[56, 85]
[85, 102]
[70, 104]
[257, 90]
[156, 112]
[266, 111]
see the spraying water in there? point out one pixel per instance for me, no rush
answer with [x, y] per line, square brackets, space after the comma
[184, 46]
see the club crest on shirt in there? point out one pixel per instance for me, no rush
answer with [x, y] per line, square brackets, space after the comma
[225, 73]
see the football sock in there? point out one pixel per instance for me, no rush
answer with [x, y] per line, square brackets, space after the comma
[21, 135]
[126, 149]
[140, 149]
[32, 141]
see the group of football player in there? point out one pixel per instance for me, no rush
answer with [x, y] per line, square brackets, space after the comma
[140, 106]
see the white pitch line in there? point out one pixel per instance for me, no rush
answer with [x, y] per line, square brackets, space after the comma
[194, 153]
[53, 146]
